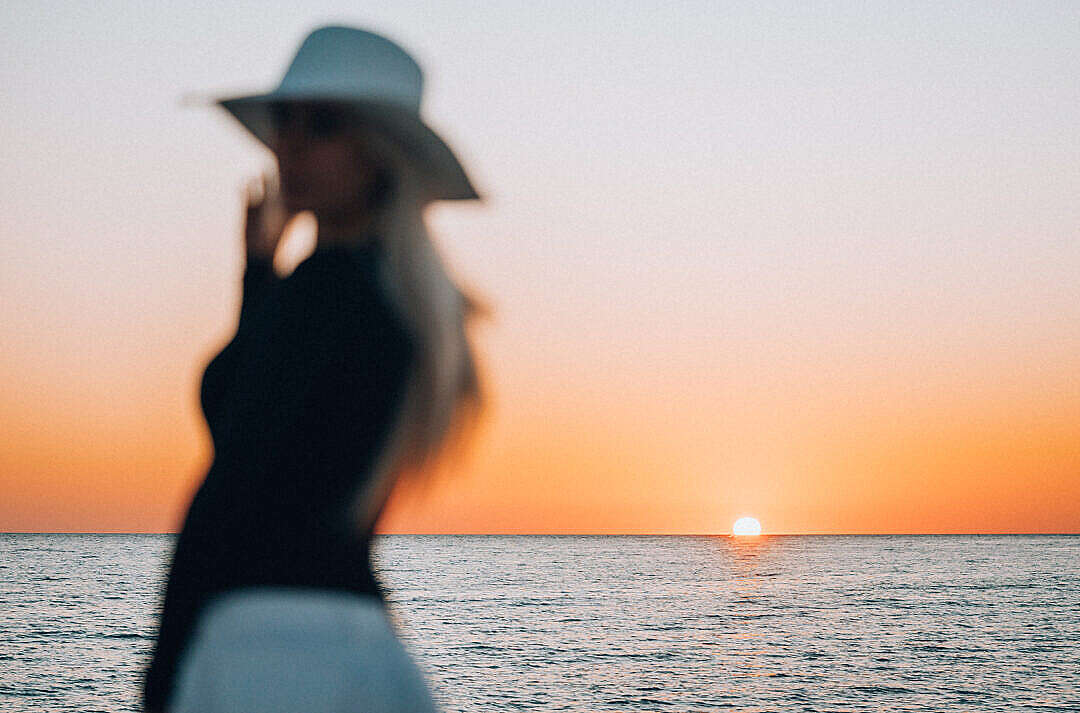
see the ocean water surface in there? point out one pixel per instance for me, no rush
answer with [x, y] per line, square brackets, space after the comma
[590, 623]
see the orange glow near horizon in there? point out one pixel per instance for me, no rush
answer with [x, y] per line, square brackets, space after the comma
[86, 455]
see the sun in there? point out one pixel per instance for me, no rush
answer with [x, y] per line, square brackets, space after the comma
[746, 527]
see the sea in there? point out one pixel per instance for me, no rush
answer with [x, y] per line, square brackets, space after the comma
[615, 623]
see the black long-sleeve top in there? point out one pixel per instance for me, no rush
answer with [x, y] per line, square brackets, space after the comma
[298, 404]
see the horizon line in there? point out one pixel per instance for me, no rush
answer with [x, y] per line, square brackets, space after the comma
[590, 534]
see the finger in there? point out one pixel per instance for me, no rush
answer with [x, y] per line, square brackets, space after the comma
[253, 192]
[276, 217]
[271, 177]
[273, 189]
[270, 183]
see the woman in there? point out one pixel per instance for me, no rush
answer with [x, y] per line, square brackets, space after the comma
[351, 372]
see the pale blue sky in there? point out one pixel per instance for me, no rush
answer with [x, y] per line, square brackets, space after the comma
[730, 189]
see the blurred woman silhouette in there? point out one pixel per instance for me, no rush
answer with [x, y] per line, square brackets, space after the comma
[344, 376]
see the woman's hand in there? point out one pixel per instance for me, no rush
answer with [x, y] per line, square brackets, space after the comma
[265, 216]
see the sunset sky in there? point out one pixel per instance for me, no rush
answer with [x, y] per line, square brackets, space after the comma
[818, 263]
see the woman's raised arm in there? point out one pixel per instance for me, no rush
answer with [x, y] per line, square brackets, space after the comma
[265, 218]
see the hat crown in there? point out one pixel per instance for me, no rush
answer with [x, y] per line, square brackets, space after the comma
[373, 75]
[349, 62]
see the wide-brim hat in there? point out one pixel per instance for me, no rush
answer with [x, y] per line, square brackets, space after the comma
[377, 81]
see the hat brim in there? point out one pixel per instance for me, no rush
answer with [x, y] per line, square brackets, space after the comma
[447, 177]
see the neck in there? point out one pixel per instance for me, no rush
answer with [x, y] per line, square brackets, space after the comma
[343, 229]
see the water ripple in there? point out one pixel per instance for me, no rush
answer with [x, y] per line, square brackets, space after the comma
[973, 623]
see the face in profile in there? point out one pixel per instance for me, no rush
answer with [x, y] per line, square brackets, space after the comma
[324, 162]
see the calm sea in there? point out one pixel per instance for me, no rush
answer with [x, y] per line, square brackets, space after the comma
[938, 623]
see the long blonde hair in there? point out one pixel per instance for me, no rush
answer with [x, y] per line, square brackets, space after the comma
[445, 395]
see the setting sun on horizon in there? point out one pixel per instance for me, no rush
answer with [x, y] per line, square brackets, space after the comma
[746, 527]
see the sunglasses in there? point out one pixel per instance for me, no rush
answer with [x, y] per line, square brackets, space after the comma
[314, 121]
